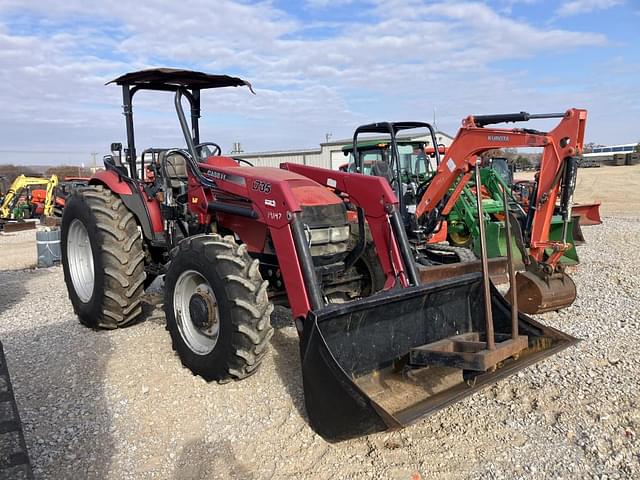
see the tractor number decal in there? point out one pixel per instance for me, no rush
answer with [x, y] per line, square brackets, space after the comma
[261, 186]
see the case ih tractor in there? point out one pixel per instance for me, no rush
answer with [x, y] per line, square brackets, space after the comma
[379, 350]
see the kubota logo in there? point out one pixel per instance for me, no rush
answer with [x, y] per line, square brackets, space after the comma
[498, 138]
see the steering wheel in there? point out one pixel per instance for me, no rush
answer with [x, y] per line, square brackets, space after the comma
[211, 152]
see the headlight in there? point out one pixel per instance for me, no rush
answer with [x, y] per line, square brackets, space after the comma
[320, 236]
[339, 234]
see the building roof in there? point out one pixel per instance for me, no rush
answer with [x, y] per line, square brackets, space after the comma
[278, 153]
[402, 138]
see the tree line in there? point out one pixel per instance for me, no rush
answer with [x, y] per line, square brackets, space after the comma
[8, 173]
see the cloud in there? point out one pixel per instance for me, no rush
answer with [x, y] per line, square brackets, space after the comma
[580, 7]
[404, 59]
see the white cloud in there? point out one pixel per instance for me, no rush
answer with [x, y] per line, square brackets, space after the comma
[579, 7]
[412, 57]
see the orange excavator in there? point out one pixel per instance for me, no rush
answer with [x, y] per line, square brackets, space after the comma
[544, 285]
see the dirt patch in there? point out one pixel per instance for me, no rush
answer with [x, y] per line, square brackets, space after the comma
[617, 188]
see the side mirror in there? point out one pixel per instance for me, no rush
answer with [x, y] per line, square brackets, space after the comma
[116, 153]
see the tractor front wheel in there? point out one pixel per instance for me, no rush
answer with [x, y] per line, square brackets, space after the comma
[217, 309]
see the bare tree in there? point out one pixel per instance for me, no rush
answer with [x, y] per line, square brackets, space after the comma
[63, 171]
[9, 172]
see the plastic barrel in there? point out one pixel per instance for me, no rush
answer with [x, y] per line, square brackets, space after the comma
[48, 243]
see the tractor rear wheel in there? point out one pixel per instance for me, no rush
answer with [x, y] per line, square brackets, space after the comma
[102, 258]
[217, 309]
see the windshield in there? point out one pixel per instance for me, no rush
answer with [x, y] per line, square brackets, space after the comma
[414, 163]
[501, 167]
[368, 158]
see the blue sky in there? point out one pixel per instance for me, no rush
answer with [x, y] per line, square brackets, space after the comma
[318, 66]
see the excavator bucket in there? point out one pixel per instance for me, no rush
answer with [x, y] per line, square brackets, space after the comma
[539, 294]
[386, 361]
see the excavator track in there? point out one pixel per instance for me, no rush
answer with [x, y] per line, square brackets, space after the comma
[14, 459]
[441, 253]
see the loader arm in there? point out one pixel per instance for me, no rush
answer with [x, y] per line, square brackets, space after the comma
[561, 143]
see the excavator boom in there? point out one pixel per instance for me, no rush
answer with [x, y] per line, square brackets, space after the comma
[544, 285]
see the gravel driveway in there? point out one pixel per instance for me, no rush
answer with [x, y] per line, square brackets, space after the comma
[118, 404]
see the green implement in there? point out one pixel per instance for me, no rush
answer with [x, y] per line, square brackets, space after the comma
[463, 225]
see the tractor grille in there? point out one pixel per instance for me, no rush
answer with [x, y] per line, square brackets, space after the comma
[327, 229]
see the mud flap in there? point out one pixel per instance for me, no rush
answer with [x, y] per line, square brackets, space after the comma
[355, 356]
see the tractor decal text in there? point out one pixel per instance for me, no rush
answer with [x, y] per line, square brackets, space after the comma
[217, 175]
[225, 177]
[260, 186]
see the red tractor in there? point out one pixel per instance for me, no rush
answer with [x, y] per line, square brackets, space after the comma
[379, 350]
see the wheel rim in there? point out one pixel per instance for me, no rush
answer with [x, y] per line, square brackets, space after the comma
[459, 237]
[80, 260]
[196, 312]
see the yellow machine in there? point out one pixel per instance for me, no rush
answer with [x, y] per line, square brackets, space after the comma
[22, 182]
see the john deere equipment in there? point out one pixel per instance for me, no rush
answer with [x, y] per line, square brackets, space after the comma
[230, 237]
[462, 221]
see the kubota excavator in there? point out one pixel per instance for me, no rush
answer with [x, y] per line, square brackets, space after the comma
[544, 286]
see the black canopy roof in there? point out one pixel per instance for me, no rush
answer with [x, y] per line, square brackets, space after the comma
[171, 78]
[386, 127]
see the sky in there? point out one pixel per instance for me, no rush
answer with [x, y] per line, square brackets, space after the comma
[317, 66]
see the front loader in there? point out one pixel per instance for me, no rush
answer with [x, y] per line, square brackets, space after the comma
[379, 350]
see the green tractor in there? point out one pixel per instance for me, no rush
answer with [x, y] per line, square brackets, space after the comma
[463, 230]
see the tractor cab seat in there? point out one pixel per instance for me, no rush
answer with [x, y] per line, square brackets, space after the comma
[176, 170]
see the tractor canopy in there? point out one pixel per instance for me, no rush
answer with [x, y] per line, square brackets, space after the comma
[171, 78]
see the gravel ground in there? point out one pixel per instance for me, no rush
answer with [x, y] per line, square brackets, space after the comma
[118, 405]
[18, 250]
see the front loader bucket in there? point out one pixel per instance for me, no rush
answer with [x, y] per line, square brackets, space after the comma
[357, 358]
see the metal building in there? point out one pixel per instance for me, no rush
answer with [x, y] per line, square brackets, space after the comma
[329, 154]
